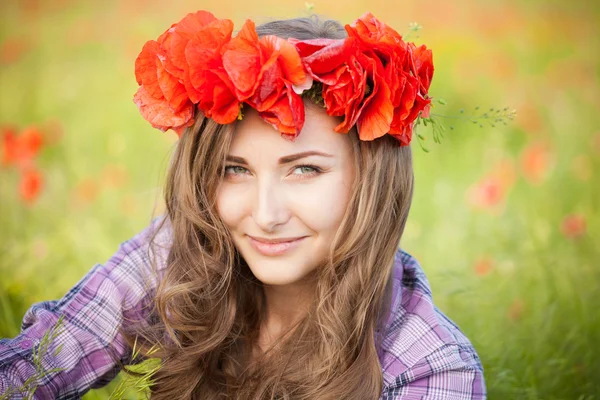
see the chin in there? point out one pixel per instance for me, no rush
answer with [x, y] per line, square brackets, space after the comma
[276, 272]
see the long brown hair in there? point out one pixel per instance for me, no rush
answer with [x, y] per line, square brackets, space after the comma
[209, 306]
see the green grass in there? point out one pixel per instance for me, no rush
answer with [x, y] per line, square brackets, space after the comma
[530, 307]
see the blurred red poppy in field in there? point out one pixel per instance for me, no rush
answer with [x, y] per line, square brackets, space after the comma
[85, 191]
[483, 266]
[491, 191]
[20, 150]
[516, 310]
[30, 185]
[30, 7]
[536, 162]
[114, 176]
[12, 49]
[488, 192]
[529, 119]
[573, 226]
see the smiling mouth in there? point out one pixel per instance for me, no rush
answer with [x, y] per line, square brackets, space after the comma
[279, 240]
[275, 249]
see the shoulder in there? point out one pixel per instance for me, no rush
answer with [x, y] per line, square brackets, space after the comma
[421, 344]
[138, 261]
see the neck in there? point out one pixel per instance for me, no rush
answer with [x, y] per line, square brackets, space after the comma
[286, 305]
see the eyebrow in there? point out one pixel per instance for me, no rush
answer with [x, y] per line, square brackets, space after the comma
[284, 159]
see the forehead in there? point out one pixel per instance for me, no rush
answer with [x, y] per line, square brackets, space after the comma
[254, 137]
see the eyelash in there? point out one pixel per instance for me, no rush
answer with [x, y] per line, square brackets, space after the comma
[316, 170]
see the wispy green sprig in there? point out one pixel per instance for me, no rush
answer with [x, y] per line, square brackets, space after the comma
[413, 30]
[138, 378]
[437, 128]
[492, 117]
[28, 388]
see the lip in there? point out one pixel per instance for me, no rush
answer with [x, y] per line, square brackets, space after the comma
[275, 247]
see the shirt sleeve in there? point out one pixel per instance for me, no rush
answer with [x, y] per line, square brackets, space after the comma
[86, 352]
[442, 375]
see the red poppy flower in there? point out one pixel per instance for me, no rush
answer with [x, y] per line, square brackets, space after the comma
[483, 266]
[173, 73]
[266, 73]
[573, 226]
[536, 162]
[30, 185]
[372, 78]
[20, 150]
[12, 49]
[408, 72]
[194, 47]
[353, 84]
[335, 63]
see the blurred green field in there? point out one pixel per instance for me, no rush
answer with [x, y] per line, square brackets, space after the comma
[503, 219]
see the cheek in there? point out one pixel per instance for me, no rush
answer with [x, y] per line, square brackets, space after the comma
[322, 206]
[228, 205]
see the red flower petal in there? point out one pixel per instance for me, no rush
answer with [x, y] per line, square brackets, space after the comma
[198, 73]
[159, 114]
[218, 100]
[201, 27]
[242, 60]
[407, 100]
[145, 68]
[404, 136]
[226, 107]
[350, 98]
[324, 55]
[172, 89]
[289, 59]
[377, 114]
[194, 22]
[287, 114]
[269, 86]
[424, 63]
[152, 72]
[371, 30]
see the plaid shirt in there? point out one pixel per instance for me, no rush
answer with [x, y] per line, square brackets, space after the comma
[424, 354]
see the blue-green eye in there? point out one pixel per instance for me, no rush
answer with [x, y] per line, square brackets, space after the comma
[235, 169]
[307, 169]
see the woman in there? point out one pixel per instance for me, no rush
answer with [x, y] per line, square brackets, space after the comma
[276, 271]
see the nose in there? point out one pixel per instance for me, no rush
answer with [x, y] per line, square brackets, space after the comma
[270, 208]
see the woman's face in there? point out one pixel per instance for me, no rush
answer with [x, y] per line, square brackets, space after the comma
[275, 189]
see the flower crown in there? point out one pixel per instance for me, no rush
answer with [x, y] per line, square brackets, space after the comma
[372, 78]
